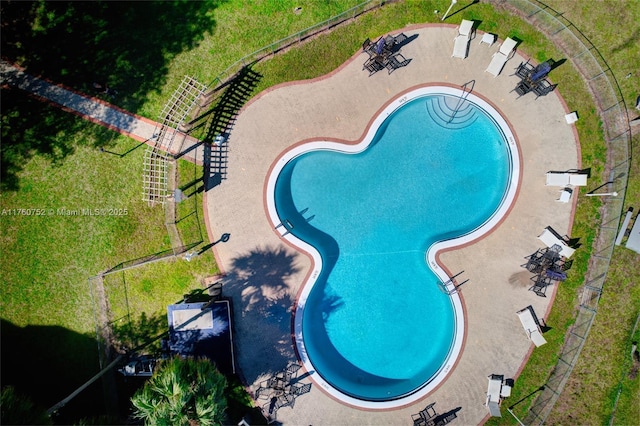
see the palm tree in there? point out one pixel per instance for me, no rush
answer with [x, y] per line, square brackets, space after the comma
[182, 391]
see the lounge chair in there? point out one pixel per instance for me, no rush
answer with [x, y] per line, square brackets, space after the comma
[461, 42]
[551, 239]
[565, 195]
[493, 395]
[566, 179]
[501, 56]
[531, 326]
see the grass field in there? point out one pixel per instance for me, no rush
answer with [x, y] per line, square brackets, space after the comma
[47, 259]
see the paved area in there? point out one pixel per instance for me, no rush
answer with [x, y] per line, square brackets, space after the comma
[264, 274]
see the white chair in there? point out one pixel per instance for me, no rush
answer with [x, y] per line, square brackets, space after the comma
[565, 195]
[493, 395]
[501, 56]
[531, 327]
[462, 40]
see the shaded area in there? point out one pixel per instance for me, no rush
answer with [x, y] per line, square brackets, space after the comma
[141, 332]
[46, 363]
[219, 123]
[257, 282]
[123, 45]
[202, 329]
[281, 390]
[30, 126]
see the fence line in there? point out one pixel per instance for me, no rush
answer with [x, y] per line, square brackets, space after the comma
[277, 46]
[615, 121]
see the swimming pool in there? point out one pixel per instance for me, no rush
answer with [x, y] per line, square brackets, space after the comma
[437, 168]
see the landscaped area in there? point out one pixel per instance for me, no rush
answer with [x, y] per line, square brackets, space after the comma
[51, 161]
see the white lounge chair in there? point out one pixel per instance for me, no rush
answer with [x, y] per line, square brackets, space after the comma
[531, 327]
[565, 195]
[550, 239]
[493, 395]
[461, 42]
[564, 179]
[501, 56]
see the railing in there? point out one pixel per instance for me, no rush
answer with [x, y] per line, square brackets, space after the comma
[615, 122]
[279, 45]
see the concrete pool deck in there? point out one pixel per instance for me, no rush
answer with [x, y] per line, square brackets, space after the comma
[265, 274]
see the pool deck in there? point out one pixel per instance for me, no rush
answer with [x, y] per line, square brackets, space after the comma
[264, 274]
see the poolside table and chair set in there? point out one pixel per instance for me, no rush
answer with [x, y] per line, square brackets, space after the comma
[549, 264]
[281, 390]
[534, 79]
[384, 53]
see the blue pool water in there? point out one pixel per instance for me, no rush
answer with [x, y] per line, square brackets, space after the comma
[375, 325]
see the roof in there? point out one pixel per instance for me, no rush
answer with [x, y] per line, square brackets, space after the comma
[202, 330]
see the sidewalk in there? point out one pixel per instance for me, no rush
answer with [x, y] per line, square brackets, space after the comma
[93, 109]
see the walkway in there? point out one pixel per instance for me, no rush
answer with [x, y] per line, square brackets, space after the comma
[264, 274]
[90, 108]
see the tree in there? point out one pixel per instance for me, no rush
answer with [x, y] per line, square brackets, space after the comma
[182, 391]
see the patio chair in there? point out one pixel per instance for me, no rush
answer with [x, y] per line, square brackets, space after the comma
[524, 70]
[533, 262]
[462, 40]
[425, 417]
[369, 48]
[396, 61]
[291, 370]
[565, 195]
[501, 56]
[523, 88]
[566, 179]
[566, 265]
[263, 391]
[285, 400]
[531, 326]
[543, 88]
[373, 66]
[540, 284]
[301, 389]
[366, 44]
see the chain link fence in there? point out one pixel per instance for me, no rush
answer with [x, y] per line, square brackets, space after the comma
[615, 124]
[298, 37]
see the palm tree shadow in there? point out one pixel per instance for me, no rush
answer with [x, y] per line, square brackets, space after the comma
[260, 288]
